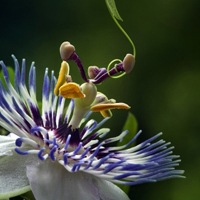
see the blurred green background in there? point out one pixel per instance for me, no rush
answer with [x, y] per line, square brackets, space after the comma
[162, 90]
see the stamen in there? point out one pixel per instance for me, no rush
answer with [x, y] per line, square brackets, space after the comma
[64, 71]
[71, 90]
[107, 106]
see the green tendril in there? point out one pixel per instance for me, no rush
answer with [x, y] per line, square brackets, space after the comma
[108, 69]
[115, 15]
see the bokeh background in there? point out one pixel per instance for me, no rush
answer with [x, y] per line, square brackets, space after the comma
[163, 88]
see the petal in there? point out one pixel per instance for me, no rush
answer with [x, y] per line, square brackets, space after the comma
[50, 181]
[71, 90]
[47, 177]
[7, 144]
[107, 106]
[13, 179]
[109, 191]
[64, 70]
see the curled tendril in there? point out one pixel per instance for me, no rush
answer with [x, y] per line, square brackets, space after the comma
[109, 65]
[115, 15]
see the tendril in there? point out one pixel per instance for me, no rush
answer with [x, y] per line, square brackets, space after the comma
[113, 15]
[108, 68]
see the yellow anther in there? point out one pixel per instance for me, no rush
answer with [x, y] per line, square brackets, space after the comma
[71, 90]
[64, 70]
[103, 107]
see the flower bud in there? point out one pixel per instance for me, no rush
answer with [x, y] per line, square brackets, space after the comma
[128, 63]
[66, 50]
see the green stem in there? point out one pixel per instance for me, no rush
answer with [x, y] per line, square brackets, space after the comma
[123, 31]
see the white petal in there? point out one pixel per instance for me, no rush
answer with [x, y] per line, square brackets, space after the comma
[13, 179]
[50, 181]
[7, 144]
[109, 191]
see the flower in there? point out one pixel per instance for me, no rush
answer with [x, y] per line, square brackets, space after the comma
[61, 154]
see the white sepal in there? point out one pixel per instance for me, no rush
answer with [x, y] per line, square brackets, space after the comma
[13, 179]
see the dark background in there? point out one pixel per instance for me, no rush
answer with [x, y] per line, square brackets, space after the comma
[163, 89]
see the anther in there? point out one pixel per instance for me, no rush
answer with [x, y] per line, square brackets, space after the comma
[64, 71]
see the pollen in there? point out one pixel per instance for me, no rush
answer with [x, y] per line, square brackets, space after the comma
[71, 90]
[64, 71]
[107, 106]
